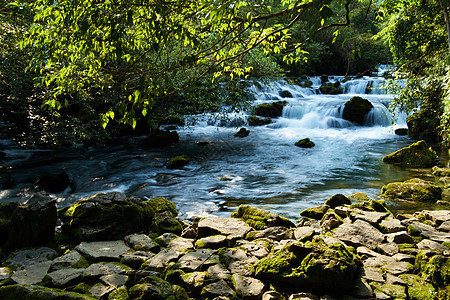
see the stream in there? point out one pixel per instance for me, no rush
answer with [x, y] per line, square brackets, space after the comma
[264, 169]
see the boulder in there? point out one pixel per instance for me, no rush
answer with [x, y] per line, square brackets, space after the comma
[32, 224]
[53, 183]
[337, 200]
[414, 190]
[231, 227]
[270, 110]
[315, 212]
[415, 155]
[441, 172]
[162, 139]
[257, 121]
[153, 287]
[331, 88]
[305, 143]
[424, 125]
[243, 132]
[177, 162]
[359, 233]
[259, 218]
[311, 266]
[111, 216]
[285, 94]
[38, 292]
[356, 109]
[103, 250]
[401, 131]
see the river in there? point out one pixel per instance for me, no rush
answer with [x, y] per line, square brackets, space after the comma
[264, 169]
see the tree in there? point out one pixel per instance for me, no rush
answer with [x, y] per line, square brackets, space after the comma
[135, 55]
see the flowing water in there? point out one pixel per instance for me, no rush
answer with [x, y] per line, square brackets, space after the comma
[264, 169]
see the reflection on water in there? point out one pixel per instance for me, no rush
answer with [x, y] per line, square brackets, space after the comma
[264, 169]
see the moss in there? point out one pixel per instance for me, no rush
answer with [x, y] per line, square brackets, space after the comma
[415, 155]
[27, 292]
[200, 244]
[120, 293]
[446, 244]
[358, 197]
[372, 205]
[259, 218]
[418, 288]
[395, 291]
[315, 212]
[177, 162]
[82, 263]
[414, 189]
[161, 204]
[82, 288]
[305, 143]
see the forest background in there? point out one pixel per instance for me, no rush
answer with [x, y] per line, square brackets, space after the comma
[78, 71]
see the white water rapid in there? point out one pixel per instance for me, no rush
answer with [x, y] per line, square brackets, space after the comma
[264, 169]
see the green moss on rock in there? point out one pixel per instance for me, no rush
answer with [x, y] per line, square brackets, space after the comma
[441, 172]
[315, 212]
[121, 293]
[259, 218]
[356, 109]
[418, 288]
[270, 110]
[305, 143]
[358, 197]
[177, 162]
[337, 200]
[34, 292]
[414, 190]
[415, 155]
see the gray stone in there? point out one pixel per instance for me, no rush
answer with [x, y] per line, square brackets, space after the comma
[194, 280]
[63, 277]
[437, 216]
[32, 274]
[141, 242]
[193, 261]
[114, 280]
[392, 225]
[103, 268]
[362, 289]
[388, 249]
[432, 245]
[248, 287]
[100, 291]
[365, 252]
[165, 238]
[136, 259]
[359, 233]
[404, 257]
[239, 262]
[401, 237]
[219, 288]
[180, 244]
[162, 259]
[277, 233]
[371, 217]
[304, 233]
[27, 257]
[342, 211]
[388, 264]
[330, 220]
[231, 227]
[382, 296]
[68, 260]
[257, 248]
[218, 271]
[430, 232]
[103, 250]
[445, 226]
[272, 295]
[212, 242]
[4, 274]
[372, 274]
[303, 296]
[391, 279]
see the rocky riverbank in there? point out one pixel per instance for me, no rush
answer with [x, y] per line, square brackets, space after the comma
[113, 247]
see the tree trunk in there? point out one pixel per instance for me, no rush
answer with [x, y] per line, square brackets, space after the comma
[444, 8]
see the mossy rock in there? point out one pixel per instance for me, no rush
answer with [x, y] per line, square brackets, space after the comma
[424, 125]
[331, 88]
[120, 293]
[415, 155]
[312, 266]
[372, 205]
[337, 200]
[285, 94]
[34, 292]
[305, 143]
[259, 218]
[270, 110]
[356, 109]
[257, 121]
[414, 190]
[177, 162]
[441, 172]
[153, 287]
[418, 288]
[315, 212]
[358, 197]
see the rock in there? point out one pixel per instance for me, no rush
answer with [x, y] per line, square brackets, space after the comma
[38, 292]
[259, 218]
[362, 289]
[315, 212]
[193, 261]
[330, 220]
[356, 109]
[360, 233]
[401, 131]
[212, 242]
[218, 288]
[64, 277]
[103, 268]
[441, 172]
[182, 245]
[415, 155]
[445, 226]
[194, 281]
[272, 295]
[238, 261]
[109, 250]
[32, 274]
[136, 259]
[114, 280]
[372, 217]
[231, 227]
[311, 266]
[388, 249]
[414, 190]
[164, 239]
[113, 215]
[270, 110]
[285, 94]
[32, 224]
[178, 162]
[161, 260]
[358, 197]
[372, 274]
[218, 271]
[304, 233]
[155, 288]
[162, 138]
[259, 248]
[243, 132]
[27, 257]
[277, 233]
[337, 200]
[331, 88]
[371, 205]
[305, 143]
[432, 245]
[100, 291]
[141, 242]
[54, 183]
[256, 121]
[394, 291]
[247, 287]
[401, 237]
[389, 264]
[438, 217]
[424, 125]
[391, 225]
[5, 274]
[303, 296]
[418, 288]
[6, 211]
[72, 259]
